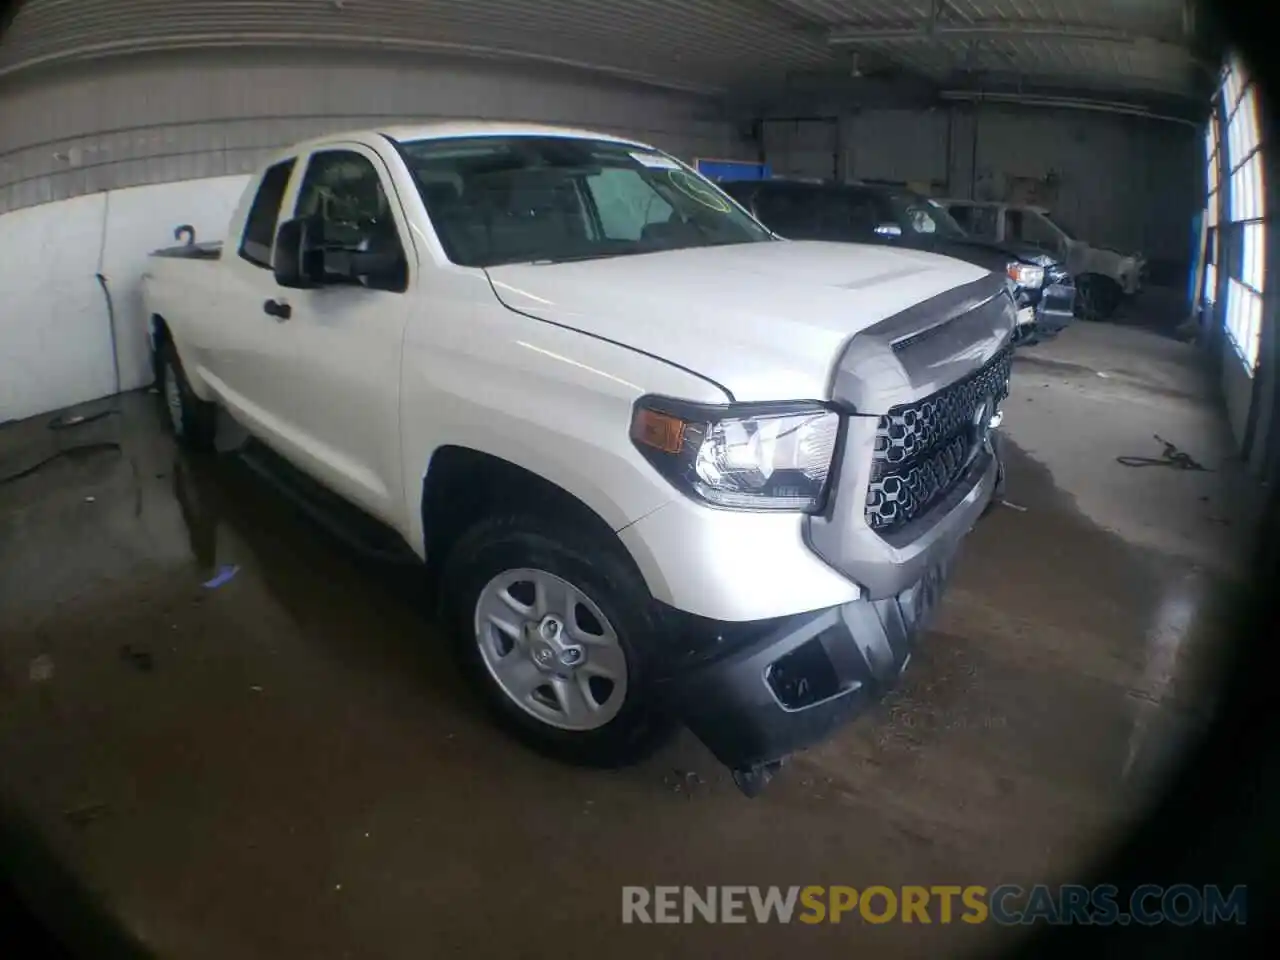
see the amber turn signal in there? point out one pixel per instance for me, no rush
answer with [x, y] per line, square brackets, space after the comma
[659, 430]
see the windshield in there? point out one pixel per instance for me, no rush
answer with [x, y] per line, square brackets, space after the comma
[1062, 227]
[919, 215]
[520, 199]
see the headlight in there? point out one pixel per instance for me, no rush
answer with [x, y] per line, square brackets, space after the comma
[743, 456]
[1025, 274]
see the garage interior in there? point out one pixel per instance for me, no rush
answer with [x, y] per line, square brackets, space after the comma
[287, 764]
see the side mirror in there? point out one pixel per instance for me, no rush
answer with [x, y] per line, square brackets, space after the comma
[888, 230]
[298, 260]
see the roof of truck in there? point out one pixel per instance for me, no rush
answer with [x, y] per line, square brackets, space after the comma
[994, 203]
[479, 128]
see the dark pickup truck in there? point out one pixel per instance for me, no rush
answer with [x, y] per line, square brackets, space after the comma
[862, 213]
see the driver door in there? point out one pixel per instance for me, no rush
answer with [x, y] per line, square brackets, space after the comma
[347, 333]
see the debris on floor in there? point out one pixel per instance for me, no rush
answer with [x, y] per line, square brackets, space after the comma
[1013, 506]
[85, 813]
[224, 574]
[683, 781]
[140, 659]
[1170, 457]
[41, 668]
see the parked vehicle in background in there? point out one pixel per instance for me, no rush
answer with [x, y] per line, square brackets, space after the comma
[895, 216]
[1103, 278]
[667, 467]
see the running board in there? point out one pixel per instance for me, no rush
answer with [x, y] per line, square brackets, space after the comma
[348, 524]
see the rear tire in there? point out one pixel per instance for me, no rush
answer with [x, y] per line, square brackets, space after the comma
[191, 420]
[567, 673]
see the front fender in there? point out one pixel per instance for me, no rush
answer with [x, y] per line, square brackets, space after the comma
[550, 400]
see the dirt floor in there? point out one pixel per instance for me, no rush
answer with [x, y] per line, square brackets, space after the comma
[287, 764]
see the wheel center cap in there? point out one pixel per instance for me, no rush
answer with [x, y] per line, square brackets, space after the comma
[549, 646]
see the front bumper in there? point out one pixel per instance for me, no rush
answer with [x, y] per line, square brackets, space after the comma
[1056, 307]
[754, 693]
[803, 676]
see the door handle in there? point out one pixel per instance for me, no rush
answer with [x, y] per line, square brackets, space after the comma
[278, 309]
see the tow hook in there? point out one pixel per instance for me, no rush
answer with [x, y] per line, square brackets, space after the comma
[753, 779]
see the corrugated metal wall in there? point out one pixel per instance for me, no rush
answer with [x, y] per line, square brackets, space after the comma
[139, 121]
[909, 146]
[802, 148]
[1123, 182]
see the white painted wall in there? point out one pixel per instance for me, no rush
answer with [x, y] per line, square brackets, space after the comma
[140, 219]
[55, 339]
[53, 333]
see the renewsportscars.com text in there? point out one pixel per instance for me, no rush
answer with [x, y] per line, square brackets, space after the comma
[1007, 904]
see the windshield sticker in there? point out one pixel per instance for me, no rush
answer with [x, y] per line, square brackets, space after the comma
[695, 188]
[654, 161]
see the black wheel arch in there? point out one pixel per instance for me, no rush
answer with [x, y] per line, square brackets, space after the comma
[463, 485]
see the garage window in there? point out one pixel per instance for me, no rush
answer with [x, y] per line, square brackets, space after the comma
[1235, 167]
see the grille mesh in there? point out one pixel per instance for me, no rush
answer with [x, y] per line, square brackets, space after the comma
[1059, 275]
[922, 448]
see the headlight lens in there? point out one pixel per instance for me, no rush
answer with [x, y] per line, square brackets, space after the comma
[1025, 274]
[749, 457]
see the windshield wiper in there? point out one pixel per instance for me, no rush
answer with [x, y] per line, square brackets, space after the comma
[574, 257]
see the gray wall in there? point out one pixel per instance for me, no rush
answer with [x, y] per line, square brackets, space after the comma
[126, 122]
[1123, 182]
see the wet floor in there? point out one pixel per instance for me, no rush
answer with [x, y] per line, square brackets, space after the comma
[287, 764]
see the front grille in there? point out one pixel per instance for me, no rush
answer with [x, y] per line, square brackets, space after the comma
[1059, 275]
[922, 448]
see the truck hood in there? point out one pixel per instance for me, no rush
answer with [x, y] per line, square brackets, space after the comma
[765, 321]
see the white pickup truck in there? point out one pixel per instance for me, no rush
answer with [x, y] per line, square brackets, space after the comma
[669, 467]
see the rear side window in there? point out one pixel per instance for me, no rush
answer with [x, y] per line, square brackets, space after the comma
[962, 215]
[260, 225]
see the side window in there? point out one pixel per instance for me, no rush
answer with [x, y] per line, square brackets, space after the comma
[1013, 224]
[343, 191]
[963, 215]
[982, 223]
[794, 213]
[1036, 230]
[863, 215]
[626, 203]
[260, 224]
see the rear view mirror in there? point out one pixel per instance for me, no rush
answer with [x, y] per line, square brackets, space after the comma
[888, 230]
[297, 259]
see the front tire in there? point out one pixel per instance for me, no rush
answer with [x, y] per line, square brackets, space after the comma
[1097, 297]
[551, 629]
[192, 420]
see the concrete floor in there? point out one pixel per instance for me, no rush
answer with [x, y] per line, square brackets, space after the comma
[288, 766]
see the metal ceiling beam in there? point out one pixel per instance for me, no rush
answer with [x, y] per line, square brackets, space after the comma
[257, 40]
[984, 30]
[1065, 103]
